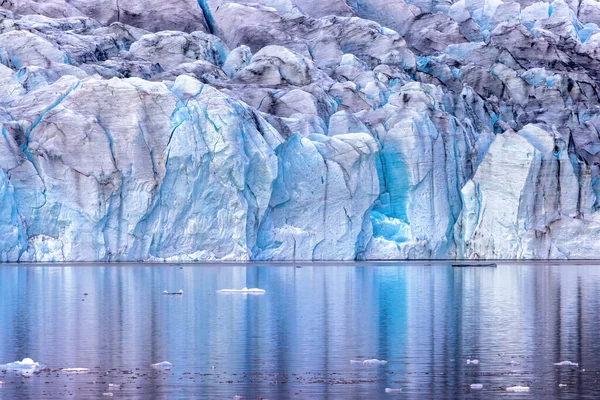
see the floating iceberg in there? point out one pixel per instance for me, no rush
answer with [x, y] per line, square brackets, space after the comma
[474, 362]
[243, 291]
[372, 361]
[476, 386]
[75, 370]
[25, 367]
[567, 364]
[392, 390]
[165, 365]
[517, 389]
[173, 293]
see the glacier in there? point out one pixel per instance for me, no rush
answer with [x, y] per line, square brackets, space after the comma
[299, 130]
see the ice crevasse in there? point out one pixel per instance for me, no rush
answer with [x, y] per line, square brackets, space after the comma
[299, 130]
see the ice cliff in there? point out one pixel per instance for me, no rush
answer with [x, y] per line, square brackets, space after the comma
[144, 130]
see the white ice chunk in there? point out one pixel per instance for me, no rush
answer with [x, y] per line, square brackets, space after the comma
[108, 394]
[167, 292]
[476, 386]
[26, 366]
[562, 385]
[474, 362]
[75, 370]
[162, 365]
[391, 390]
[517, 389]
[372, 361]
[244, 290]
[567, 364]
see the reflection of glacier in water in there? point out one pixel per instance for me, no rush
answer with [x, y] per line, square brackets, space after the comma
[298, 339]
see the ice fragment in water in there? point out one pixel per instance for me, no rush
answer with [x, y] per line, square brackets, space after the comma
[166, 292]
[474, 362]
[162, 365]
[75, 370]
[390, 390]
[476, 386]
[567, 364]
[244, 290]
[562, 385]
[26, 367]
[372, 361]
[517, 389]
[108, 394]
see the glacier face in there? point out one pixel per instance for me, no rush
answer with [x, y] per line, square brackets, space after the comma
[299, 130]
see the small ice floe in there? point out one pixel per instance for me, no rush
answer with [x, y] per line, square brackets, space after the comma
[392, 390]
[476, 386]
[562, 385]
[25, 367]
[474, 362]
[165, 365]
[75, 370]
[113, 386]
[173, 293]
[107, 394]
[372, 361]
[513, 362]
[517, 389]
[567, 364]
[243, 291]
[237, 397]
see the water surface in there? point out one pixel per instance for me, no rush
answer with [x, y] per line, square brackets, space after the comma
[297, 340]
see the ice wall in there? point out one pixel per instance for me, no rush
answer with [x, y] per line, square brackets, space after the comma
[298, 130]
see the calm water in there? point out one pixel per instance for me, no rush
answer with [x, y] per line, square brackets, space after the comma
[297, 340]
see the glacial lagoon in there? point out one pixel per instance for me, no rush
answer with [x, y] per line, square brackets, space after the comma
[439, 330]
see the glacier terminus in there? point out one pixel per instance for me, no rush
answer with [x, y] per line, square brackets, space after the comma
[299, 130]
